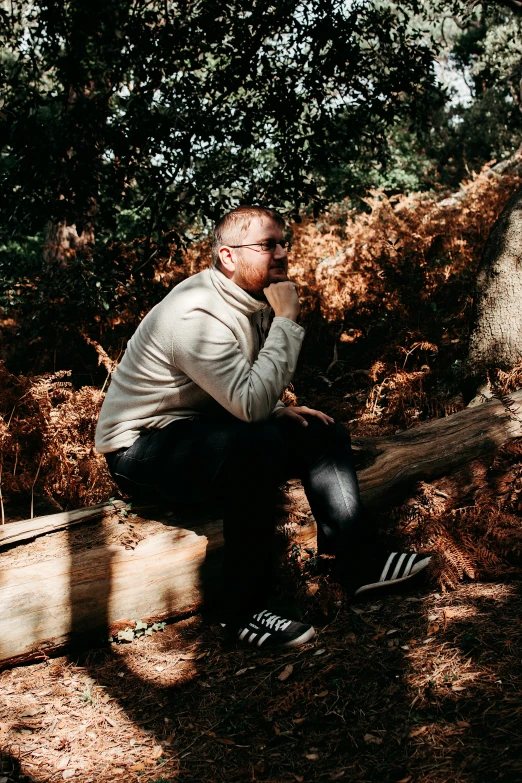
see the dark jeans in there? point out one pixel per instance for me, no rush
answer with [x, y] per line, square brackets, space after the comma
[240, 466]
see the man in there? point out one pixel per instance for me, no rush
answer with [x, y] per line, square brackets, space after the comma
[194, 411]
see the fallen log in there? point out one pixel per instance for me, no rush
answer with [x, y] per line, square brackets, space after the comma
[27, 529]
[434, 449]
[78, 573]
[88, 580]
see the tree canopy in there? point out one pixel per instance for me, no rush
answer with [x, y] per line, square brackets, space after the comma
[134, 125]
[152, 113]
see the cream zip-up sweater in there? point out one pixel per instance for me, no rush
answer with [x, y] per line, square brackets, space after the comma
[204, 349]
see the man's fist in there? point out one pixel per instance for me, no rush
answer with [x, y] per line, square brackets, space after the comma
[283, 299]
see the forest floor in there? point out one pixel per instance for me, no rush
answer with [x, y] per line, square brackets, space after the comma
[422, 687]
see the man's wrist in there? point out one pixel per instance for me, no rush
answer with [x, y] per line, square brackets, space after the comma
[290, 316]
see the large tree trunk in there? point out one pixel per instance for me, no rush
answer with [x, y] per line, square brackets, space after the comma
[496, 335]
[62, 576]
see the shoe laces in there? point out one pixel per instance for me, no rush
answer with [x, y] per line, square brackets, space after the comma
[273, 621]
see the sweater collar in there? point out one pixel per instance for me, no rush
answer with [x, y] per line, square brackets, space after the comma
[234, 295]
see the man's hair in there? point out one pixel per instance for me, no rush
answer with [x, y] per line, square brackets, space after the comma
[233, 225]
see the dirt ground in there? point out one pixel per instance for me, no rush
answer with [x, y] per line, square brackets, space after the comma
[414, 688]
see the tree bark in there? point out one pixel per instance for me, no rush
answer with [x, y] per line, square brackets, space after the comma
[63, 245]
[63, 575]
[496, 334]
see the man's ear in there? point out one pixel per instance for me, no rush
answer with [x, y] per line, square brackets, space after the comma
[226, 260]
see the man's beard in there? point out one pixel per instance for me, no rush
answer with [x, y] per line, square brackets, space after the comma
[252, 279]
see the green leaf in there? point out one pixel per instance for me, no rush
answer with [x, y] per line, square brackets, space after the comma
[158, 626]
[126, 636]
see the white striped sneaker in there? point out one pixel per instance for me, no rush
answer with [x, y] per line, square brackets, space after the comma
[271, 630]
[398, 567]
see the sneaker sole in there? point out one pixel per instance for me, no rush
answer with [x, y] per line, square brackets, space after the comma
[305, 637]
[297, 642]
[420, 566]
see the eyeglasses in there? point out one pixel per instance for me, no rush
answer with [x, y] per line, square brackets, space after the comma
[268, 246]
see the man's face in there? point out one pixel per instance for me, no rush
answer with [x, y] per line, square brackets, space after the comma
[256, 269]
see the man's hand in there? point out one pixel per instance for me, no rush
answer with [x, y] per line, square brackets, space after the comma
[298, 413]
[283, 299]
